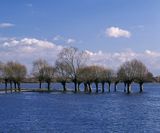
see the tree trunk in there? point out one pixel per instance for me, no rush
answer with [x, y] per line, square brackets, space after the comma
[15, 87]
[75, 86]
[102, 87]
[48, 86]
[19, 87]
[115, 86]
[5, 86]
[11, 86]
[128, 88]
[109, 86]
[85, 87]
[89, 86]
[141, 87]
[96, 87]
[40, 84]
[79, 86]
[64, 86]
[125, 85]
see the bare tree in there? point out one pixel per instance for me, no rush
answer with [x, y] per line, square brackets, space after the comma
[141, 73]
[126, 74]
[49, 72]
[8, 74]
[19, 74]
[38, 70]
[95, 74]
[73, 59]
[86, 75]
[2, 74]
[116, 80]
[14, 72]
[1, 71]
[106, 76]
[133, 70]
[62, 74]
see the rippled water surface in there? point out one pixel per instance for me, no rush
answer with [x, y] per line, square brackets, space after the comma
[78, 113]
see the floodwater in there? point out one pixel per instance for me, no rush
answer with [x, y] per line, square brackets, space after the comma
[81, 113]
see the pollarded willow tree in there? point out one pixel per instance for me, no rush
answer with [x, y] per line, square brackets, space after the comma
[95, 74]
[126, 74]
[19, 74]
[122, 77]
[106, 76]
[142, 74]
[62, 75]
[116, 80]
[87, 76]
[39, 66]
[49, 74]
[14, 72]
[1, 71]
[73, 59]
[133, 70]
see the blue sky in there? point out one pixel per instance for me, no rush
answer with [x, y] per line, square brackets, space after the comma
[99, 26]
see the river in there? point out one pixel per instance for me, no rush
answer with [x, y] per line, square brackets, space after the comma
[81, 113]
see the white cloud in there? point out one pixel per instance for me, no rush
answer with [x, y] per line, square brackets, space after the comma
[70, 41]
[152, 53]
[115, 59]
[6, 25]
[117, 32]
[26, 50]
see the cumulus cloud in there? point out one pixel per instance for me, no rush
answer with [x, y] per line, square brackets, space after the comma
[115, 59]
[26, 50]
[117, 32]
[6, 25]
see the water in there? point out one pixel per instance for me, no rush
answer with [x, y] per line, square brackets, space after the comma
[79, 113]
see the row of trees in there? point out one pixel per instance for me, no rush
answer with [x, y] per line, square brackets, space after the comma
[71, 66]
[12, 73]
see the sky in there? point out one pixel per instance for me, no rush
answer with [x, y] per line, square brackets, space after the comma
[111, 31]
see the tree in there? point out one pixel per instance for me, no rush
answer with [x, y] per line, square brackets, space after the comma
[126, 73]
[62, 75]
[133, 70]
[14, 72]
[116, 81]
[141, 73]
[95, 74]
[1, 70]
[106, 76]
[86, 75]
[49, 72]
[73, 59]
[121, 76]
[8, 74]
[38, 70]
[2, 74]
[19, 73]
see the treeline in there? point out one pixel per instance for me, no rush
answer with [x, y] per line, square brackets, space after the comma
[71, 66]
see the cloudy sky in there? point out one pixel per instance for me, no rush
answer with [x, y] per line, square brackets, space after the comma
[111, 31]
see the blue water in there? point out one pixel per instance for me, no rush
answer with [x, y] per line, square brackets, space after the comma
[82, 113]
